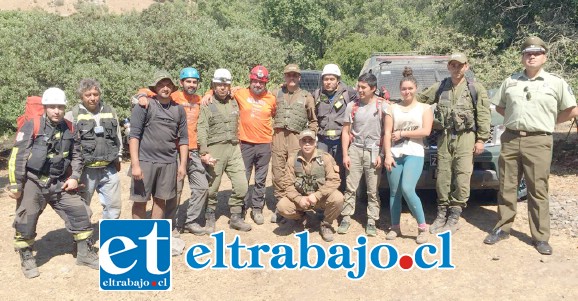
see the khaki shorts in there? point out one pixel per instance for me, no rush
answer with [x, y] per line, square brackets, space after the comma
[159, 180]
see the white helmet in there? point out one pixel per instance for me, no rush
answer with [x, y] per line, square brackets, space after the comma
[53, 96]
[331, 69]
[222, 76]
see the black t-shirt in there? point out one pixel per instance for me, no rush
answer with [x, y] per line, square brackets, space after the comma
[159, 128]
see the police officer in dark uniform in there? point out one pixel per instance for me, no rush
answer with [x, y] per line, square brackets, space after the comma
[44, 168]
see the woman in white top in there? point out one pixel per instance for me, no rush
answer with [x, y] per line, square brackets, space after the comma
[406, 124]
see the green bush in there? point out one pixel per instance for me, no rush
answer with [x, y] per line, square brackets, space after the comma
[39, 49]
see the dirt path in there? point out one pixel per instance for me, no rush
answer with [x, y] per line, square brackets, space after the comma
[509, 270]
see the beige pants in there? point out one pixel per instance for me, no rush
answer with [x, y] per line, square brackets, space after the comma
[284, 143]
[361, 164]
[331, 205]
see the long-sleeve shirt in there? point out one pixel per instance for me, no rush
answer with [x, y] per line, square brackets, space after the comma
[483, 114]
[291, 97]
[225, 108]
[332, 180]
[22, 150]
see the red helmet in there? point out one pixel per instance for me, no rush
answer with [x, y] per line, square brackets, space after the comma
[259, 73]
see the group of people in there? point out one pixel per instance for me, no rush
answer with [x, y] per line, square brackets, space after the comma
[320, 146]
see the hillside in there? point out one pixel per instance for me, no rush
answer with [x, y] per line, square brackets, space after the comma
[67, 7]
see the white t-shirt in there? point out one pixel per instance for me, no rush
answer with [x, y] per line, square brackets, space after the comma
[407, 119]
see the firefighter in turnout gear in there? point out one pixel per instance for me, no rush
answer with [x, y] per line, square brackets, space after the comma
[44, 168]
[312, 182]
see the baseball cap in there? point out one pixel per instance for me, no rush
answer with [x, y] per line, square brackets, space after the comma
[292, 68]
[459, 57]
[307, 133]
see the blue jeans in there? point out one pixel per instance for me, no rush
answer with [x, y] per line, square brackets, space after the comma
[333, 147]
[106, 182]
[402, 182]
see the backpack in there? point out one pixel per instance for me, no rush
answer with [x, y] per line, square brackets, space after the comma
[32, 111]
[473, 94]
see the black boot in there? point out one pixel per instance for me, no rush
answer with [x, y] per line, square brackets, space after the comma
[86, 255]
[28, 263]
[440, 220]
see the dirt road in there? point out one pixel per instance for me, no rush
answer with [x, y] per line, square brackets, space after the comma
[510, 270]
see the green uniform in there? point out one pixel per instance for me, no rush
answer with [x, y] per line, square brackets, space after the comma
[531, 108]
[462, 126]
[218, 136]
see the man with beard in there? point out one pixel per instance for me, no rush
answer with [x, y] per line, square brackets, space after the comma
[198, 184]
[257, 107]
[154, 133]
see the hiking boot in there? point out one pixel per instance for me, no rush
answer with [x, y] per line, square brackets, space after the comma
[421, 236]
[257, 216]
[393, 233]
[370, 229]
[326, 231]
[28, 263]
[210, 224]
[453, 220]
[440, 220]
[86, 255]
[194, 228]
[277, 218]
[237, 223]
[344, 225]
